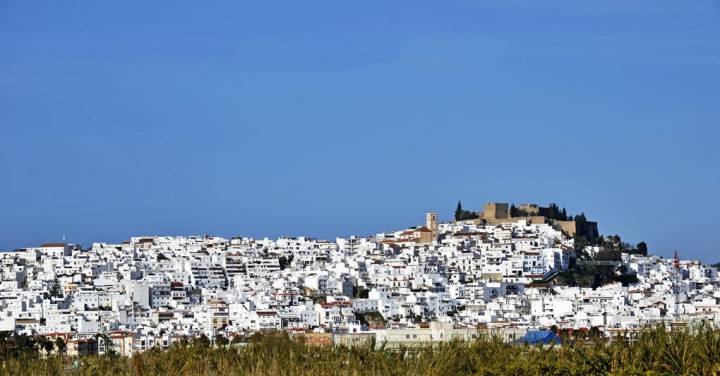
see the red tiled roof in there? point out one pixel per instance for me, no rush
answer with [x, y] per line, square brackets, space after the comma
[52, 245]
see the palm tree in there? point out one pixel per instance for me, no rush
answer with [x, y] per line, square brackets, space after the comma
[106, 342]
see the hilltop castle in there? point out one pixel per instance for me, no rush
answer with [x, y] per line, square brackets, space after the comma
[497, 213]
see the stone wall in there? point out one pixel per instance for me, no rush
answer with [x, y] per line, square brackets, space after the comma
[496, 210]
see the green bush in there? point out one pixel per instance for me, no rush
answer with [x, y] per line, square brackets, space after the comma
[656, 352]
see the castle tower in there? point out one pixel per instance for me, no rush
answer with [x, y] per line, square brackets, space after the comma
[431, 222]
[496, 210]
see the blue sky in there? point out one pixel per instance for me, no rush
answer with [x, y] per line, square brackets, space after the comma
[332, 118]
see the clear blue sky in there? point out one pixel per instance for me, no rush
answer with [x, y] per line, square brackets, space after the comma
[330, 117]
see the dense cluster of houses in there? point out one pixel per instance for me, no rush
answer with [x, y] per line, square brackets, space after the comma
[430, 283]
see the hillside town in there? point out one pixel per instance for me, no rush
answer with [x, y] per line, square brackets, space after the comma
[496, 272]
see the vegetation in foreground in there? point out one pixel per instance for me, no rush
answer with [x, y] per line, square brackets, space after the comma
[656, 352]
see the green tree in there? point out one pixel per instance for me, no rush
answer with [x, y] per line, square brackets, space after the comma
[642, 248]
[459, 212]
[48, 346]
[106, 341]
[220, 340]
[60, 345]
[56, 289]
[201, 341]
[463, 215]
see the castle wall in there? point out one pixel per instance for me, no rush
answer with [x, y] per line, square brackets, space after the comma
[536, 219]
[495, 210]
[570, 227]
[532, 209]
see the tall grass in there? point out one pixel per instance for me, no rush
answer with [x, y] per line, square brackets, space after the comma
[657, 352]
